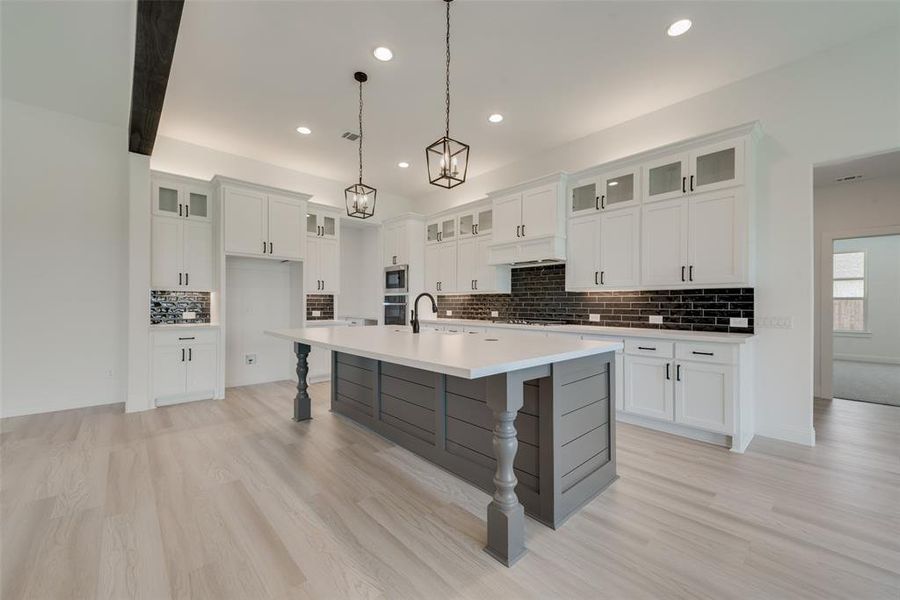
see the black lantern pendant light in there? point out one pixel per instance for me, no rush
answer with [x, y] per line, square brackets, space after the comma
[359, 197]
[447, 158]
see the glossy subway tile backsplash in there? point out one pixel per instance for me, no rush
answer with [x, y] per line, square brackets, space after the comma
[324, 303]
[167, 307]
[539, 293]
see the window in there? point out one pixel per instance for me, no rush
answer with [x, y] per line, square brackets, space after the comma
[849, 291]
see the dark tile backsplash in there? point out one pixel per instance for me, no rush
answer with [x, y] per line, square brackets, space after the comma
[321, 302]
[539, 293]
[166, 307]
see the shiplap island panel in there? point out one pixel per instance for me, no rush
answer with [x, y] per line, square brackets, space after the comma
[530, 421]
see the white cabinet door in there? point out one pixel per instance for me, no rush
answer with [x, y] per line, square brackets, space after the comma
[664, 231]
[649, 390]
[507, 218]
[666, 178]
[620, 248]
[582, 265]
[390, 235]
[704, 396]
[201, 368]
[447, 260]
[246, 223]
[717, 167]
[433, 232]
[539, 211]
[169, 371]
[286, 235]
[196, 203]
[167, 252]
[467, 263]
[329, 265]
[432, 269]
[716, 239]
[312, 283]
[167, 199]
[467, 223]
[585, 197]
[198, 256]
[401, 245]
[485, 274]
[620, 189]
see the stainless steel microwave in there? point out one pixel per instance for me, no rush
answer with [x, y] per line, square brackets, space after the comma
[396, 279]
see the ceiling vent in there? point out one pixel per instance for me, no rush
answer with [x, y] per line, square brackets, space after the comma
[349, 135]
[848, 178]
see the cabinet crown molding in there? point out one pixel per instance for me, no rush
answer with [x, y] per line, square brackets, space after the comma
[556, 177]
[222, 181]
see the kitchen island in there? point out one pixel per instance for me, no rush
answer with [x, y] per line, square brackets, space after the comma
[530, 421]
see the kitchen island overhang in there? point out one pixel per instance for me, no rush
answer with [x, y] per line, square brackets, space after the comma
[530, 421]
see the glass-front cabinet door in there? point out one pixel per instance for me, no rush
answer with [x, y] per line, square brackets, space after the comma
[717, 166]
[485, 222]
[585, 197]
[167, 200]
[666, 178]
[620, 189]
[196, 204]
[477, 222]
[467, 225]
[320, 225]
[448, 229]
[431, 232]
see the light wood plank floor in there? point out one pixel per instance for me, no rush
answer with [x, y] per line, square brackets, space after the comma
[231, 499]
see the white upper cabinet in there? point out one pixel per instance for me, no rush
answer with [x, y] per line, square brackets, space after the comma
[322, 223]
[712, 167]
[440, 230]
[610, 191]
[432, 269]
[181, 255]
[508, 219]
[448, 272]
[184, 199]
[529, 223]
[666, 178]
[717, 237]
[474, 274]
[257, 223]
[286, 237]
[395, 244]
[582, 266]
[604, 250]
[664, 243]
[539, 211]
[478, 221]
[322, 262]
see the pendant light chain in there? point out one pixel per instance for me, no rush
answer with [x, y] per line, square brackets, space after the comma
[360, 132]
[447, 131]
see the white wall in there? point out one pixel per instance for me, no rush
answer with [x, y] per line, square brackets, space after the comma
[843, 102]
[258, 297]
[362, 285]
[844, 210]
[65, 260]
[183, 158]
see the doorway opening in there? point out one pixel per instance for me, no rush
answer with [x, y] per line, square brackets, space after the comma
[857, 225]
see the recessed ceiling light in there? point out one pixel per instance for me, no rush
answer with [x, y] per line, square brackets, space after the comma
[383, 54]
[679, 27]
[304, 130]
[403, 164]
[495, 118]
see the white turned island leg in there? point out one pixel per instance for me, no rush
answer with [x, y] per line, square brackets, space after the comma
[505, 514]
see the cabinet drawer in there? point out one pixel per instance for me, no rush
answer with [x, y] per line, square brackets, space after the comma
[185, 337]
[650, 348]
[725, 354]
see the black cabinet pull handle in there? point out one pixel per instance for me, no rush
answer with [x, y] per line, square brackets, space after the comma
[691, 273]
[595, 279]
[186, 338]
[668, 376]
[190, 354]
[187, 210]
[518, 227]
[264, 247]
[603, 201]
[703, 353]
[182, 355]
[682, 272]
[187, 279]
[179, 279]
[683, 184]
[476, 228]
[692, 183]
[678, 373]
[601, 277]
[271, 251]
[647, 348]
[179, 211]
[596, 202]
[476, 284]
[523, 230]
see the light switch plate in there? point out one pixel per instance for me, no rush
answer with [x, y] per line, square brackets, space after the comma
[593, 317]
[737, 322]
[317, 313]
[250, 359]
[656, 319]
[189, 314]
[449, 313]
[495, 313]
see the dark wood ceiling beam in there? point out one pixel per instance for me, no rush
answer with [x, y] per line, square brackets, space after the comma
[154, 49]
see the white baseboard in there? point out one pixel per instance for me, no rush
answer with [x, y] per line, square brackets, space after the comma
[40, 410]
[864, 358]
[804, 437]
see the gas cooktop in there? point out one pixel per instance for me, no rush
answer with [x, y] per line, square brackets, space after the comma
[545, 322]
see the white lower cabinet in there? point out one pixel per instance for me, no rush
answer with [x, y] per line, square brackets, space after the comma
[181, 255]
[321, 268]
[184, 365]
[648, 387]
[704, 396]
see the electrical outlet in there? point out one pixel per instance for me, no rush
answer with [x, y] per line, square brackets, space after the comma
[495, 313]
[449, 313]
[188, 314]
[317, 313]
[737, 322]
[250, 359]
[594, 318]
[656, 319]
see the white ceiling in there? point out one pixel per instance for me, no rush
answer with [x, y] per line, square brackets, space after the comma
[870, 167]
[73, 57]
[246, 74]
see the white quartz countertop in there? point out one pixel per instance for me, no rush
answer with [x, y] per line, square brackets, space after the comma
[462, 355]
[643, 332]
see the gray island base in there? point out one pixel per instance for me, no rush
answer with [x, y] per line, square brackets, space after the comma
[540, 439]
